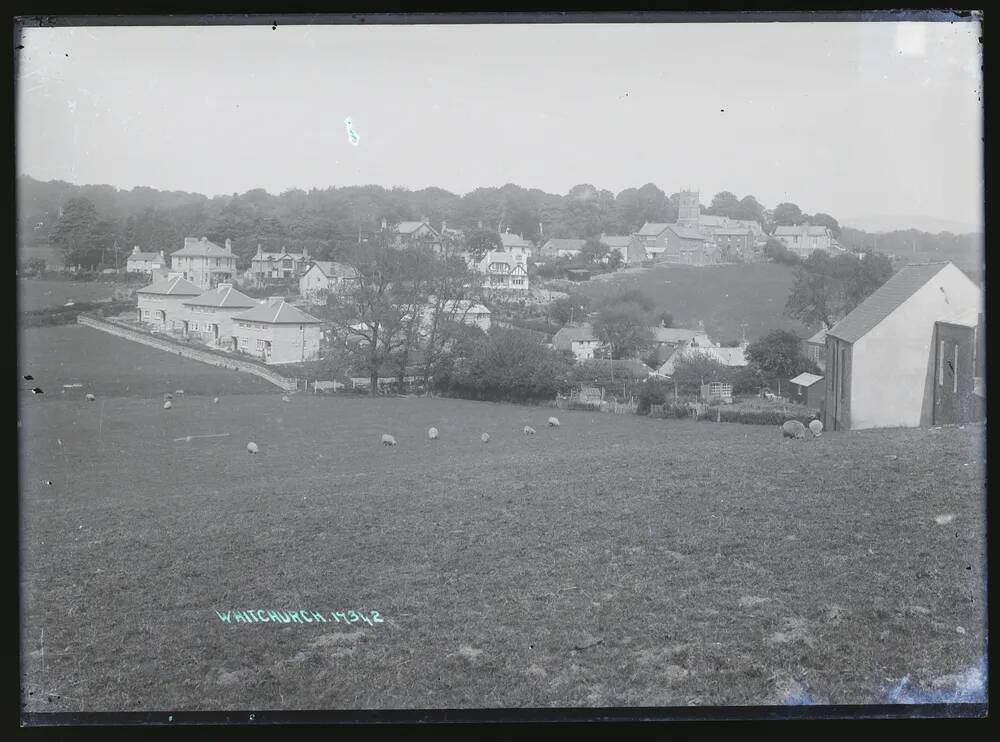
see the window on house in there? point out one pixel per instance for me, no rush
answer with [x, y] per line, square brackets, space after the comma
[260, 344]
[194, 326]
[243, 342]
[941, 363]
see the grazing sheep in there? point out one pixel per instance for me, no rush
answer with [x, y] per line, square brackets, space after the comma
[179, 392]
[252, 447]
[816, 428]
[793, 429]
[388, 440]
[553, 422]
[167, 405]
[485, 437]
[284, 397]
[168, 395]
[36, 390]
[432, 434]
[215, 400]
[91, 397]
[528, 430]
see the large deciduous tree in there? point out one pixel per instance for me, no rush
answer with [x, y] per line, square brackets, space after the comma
[787, 214]
[624, 327]
[779, 354]
[826, 288]
[76, 233]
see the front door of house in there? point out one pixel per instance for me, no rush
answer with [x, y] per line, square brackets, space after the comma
[953, 374]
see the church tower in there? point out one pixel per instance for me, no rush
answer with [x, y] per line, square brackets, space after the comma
[688, 209]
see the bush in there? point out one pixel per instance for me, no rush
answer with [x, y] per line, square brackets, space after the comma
[761, 417]
[652, 392]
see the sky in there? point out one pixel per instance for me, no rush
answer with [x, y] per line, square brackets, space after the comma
[851, 119]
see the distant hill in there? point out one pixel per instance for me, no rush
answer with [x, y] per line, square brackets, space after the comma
[885, 223]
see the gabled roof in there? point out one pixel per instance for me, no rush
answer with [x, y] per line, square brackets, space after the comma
[145, 256]
[686, 233]
[712, 220]
[652, 229]
[806, 379]
[801, 229]
[514, 240]
[276, 256]
[222, 297]
[616, 241]
[725, 356]
[279, 313]
[411, 227]
[202, 247]
[680, 335]
[177, 286]
[331, 269]
[890, 295]
[564, 243]
[582, 333]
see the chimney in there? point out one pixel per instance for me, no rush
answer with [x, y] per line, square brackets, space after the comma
[229, 245]
[423, 220]
[135, 250]
[305, 253]
[444, 225]
[171, 275]
[161, 255]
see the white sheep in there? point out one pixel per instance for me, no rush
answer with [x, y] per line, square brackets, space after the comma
[252, 447]
[793, 429]
[167, 405]
[432, 434]
[553, 422]
[388, 440]
[816, 428]
[179, 392]
[91, 397]
[284, 397]
[215, 400]
[485, 437]
[528, 430]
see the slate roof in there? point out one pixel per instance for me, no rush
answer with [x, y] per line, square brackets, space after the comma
[616, 241]
[279, 313]
[741, 231]
[177, 286]
[514, 240]
[222, 298]
[563, 339]
[411, 227]
[687, 233]
[652, 229]
[801, 229]
[712, 220]
[562, 243]
[331, 269]
[145, 256]
[725, 356]
[679, 335]
[202, 247]
[806, 379]
[885, 300]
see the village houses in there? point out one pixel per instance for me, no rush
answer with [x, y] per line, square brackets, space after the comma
[558, 247]
[505, 269]
[324, 277]
[269, 266]
[803, 239]
[277, 332]
[579, 340]
[144, 262]
[204, 263]
[909, 355]
[161, 303]
[209, 316]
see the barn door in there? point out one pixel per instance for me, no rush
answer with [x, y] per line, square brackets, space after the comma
[953, 374]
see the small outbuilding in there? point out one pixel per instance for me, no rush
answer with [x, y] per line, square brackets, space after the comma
[808, 389]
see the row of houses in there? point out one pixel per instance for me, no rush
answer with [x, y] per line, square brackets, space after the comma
[223, 317]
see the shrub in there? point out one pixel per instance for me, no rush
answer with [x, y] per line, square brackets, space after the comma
[761, 417]
[651, 392]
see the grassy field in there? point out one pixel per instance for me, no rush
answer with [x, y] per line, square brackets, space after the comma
[615, 560]
[110, 366]
[723, 297]
[40, 294]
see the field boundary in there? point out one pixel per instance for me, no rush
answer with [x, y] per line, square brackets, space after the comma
[186, 351]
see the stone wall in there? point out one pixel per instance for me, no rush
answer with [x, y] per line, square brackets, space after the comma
[195, 354]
